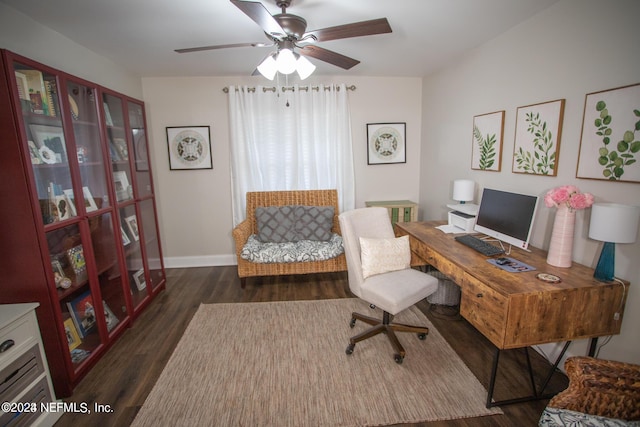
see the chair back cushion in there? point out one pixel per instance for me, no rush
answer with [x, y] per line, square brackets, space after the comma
[384, 255]
[372, 223]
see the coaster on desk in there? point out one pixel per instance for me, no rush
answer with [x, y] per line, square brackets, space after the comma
[549, 278]
[512, 266]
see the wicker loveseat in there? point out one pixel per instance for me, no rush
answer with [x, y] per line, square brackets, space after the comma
[249, 226]
[600, 393]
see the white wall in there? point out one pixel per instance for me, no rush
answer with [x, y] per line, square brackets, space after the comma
[195, 206]
[24, 36]
[570, 49]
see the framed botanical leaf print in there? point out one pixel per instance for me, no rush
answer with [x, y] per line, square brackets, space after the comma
[537, 142]
[486, 149]
[610, 141]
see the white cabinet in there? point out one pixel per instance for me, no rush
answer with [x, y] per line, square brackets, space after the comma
[25, 383]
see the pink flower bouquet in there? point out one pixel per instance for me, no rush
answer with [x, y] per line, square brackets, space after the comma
[569, 196]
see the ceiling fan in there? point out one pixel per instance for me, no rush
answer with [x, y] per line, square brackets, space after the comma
[288, 31]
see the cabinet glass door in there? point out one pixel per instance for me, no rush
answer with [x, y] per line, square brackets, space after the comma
[88, 147]
[151, 243]
[141, 156]
[108, 270]
[133, 255]
[118, 147]
[46, 142]
[77, 302]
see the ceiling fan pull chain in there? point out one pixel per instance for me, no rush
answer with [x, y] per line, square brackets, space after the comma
[286, 83]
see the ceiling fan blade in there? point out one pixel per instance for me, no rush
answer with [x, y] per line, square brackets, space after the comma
[261, 16]
[328, 56]
[222, 46]
[356, 29]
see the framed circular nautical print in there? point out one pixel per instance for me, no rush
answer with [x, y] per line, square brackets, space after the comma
[386, 143]
[189, 147]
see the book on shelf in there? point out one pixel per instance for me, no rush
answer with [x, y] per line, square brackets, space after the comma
[83, 313]
[73, 338]
[35, 90]
[110, 319]
[76, 259]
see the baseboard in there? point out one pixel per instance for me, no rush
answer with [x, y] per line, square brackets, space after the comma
[200, 261]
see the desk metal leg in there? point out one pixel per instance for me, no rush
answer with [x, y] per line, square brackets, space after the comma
[492, 381]
[593, 345]
[536, 394]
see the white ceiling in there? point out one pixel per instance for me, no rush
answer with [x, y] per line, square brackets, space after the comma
[140, 35]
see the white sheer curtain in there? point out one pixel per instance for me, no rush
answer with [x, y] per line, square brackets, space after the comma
[293, 140]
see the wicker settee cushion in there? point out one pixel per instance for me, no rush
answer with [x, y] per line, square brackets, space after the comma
[314, 222]
[301, 251]
[276, 224]
[292, 223]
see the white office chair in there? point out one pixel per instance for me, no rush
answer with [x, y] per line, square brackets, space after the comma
[379, 272]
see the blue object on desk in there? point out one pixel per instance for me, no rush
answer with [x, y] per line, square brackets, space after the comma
[512, 265]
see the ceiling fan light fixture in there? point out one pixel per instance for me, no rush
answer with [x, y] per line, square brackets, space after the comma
[286, 61]
[304, 67]
[268, 68]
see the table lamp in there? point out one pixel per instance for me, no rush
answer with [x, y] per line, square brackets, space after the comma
[612, 223]
[463, 192]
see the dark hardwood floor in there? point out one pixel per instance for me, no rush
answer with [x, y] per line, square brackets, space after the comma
[128, 371]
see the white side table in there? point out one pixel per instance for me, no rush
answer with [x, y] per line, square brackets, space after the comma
[25, 381]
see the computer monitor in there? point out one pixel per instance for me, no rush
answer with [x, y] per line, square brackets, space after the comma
[506, 216]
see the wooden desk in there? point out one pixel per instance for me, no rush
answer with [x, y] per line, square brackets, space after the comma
[515, 310]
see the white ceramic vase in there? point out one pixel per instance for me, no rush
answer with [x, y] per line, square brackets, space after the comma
[561, 245]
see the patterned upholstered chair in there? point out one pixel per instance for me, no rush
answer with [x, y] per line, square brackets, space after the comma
[600, 393]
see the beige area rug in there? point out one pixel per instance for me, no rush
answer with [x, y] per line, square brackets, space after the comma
[284, 364]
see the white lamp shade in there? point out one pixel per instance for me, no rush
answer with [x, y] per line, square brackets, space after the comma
[304, 67]
[268, 68]
[286, 61]
[463, 190]
[615, 223]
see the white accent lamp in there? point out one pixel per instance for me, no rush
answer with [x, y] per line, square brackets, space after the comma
[464, 191]
[612, 223]
[463, 216]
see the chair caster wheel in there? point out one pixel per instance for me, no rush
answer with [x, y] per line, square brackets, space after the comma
[349, 349]
[422, 336]
[352, 323]
[398, 359]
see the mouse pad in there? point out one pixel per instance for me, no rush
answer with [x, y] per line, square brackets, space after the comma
[512, 266]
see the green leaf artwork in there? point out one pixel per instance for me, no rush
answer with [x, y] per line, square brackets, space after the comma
[614, 157]
[487, 148]
[538, 131]
[486, 141]
[542, 160]
[610, 137]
